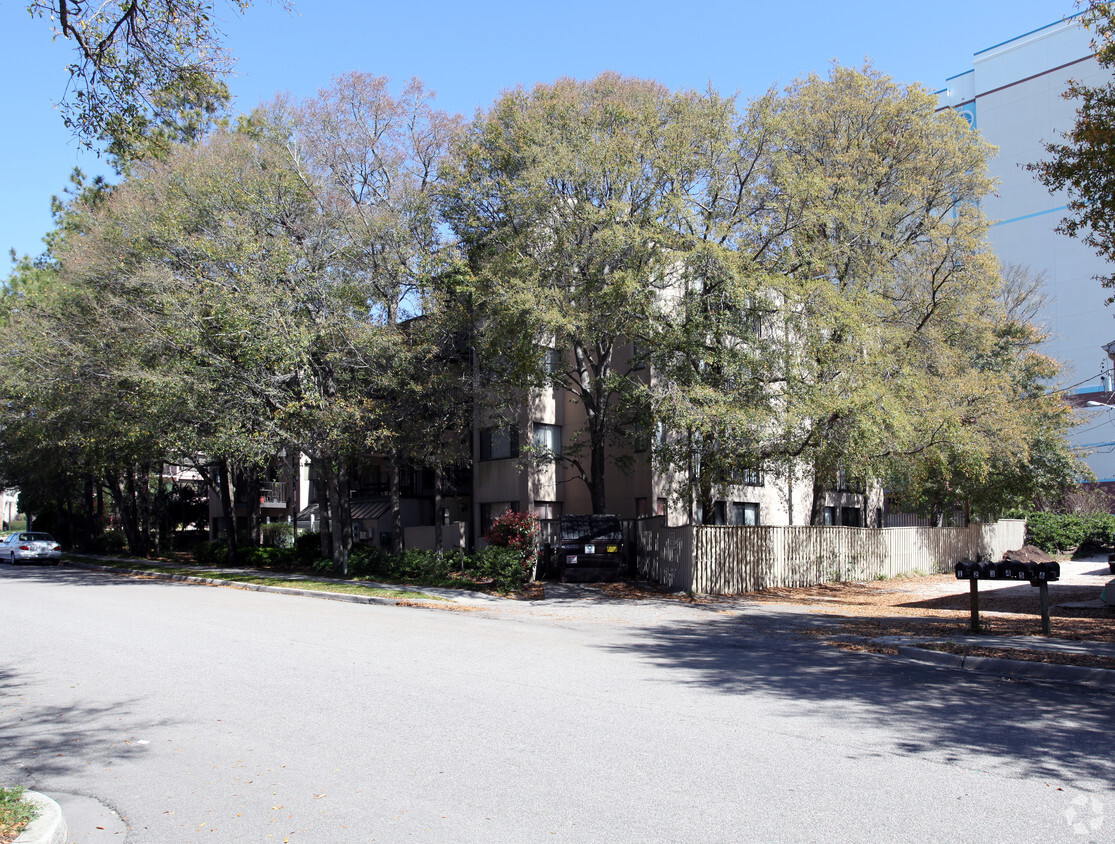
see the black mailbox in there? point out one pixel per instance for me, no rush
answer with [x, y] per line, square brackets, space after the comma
[967, 570]
[1045, 573]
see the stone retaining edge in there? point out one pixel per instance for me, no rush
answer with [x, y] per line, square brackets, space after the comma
[1100, 677]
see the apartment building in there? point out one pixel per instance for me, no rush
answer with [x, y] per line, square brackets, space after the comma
[509, 476]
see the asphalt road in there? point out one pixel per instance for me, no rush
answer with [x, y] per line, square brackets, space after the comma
[221, 715]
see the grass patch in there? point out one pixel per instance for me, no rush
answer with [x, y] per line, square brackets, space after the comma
[15, 813]
[347, 587]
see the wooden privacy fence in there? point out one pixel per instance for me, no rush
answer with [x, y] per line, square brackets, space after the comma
[727, 560]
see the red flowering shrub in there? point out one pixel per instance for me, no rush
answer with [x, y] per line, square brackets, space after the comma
[518, 531]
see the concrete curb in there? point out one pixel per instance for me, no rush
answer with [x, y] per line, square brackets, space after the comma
[261, 587]
[49, 827]
[1099, 677]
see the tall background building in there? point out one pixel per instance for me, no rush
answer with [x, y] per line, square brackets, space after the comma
[1012, 94]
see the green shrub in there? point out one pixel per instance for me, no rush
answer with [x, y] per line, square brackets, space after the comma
[277, 535]
[503, 565]
[518, 531]
[188, 540]
[307, 547]
[111, 542]
[365, 560]
[269, 558]
[211, 553]
[1061, 532]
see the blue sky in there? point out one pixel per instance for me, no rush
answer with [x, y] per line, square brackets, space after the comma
[470, 52]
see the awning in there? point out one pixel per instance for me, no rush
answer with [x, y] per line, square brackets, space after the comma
[363, 510]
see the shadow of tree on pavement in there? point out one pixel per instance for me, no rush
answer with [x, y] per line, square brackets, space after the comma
[1033, 729]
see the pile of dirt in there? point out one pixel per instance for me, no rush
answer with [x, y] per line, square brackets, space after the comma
[1028, 554]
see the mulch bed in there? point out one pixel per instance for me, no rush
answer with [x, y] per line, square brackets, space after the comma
[938, 606]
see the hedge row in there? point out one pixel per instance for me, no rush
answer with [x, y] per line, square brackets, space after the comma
[1062, 532]
[503, 566]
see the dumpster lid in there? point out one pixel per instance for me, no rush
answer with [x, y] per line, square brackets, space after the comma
[590, 528]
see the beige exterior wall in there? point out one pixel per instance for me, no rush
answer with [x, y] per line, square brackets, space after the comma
[784, 498]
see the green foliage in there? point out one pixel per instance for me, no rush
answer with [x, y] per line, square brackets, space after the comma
[1063, 532]
[211, 553]
[412, 565]
[277, 535]
[269, 558]
[517, 531]
[15, 812]
[503, 565]
[307, 547]
[140, 68]
[110, 542]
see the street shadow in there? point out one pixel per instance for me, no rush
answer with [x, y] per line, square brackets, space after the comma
[1045, 729]
[73, 576]
[42, 741]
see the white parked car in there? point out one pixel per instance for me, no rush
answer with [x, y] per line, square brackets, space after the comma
[30, 546]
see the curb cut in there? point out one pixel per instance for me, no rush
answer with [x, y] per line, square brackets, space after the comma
[49, 827]
[431, 603]
[1100, 677]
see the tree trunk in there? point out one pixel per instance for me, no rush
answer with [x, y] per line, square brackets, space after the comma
[321, 490]
[340, 512]
[160, 511]
[90, 514]
[817, 507]
[249, 482]
[439, 533]
[141, 486]
[228, 512]
[122, 490]
[596, 473]
[396, 505]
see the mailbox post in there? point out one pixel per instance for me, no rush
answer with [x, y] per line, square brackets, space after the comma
[1038, 574]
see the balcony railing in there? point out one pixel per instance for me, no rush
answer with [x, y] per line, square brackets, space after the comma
[274, 492]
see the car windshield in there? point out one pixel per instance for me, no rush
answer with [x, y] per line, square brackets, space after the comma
[35, 537]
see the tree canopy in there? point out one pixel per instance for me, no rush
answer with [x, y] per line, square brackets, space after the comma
[801, 285]
[139, 64]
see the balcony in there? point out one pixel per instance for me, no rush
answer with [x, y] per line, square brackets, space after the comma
[273, 494]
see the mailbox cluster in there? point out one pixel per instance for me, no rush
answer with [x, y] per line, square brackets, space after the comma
[1036, 573]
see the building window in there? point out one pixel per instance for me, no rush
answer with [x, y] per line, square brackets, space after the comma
[661, 508]
[830, 516]
[640, 443]
[491, 511]
[499, 443]
[751, 476]
[745, 513]
[751, 321]
[547, 510]
[642, 508]
[743, 476]
[850, 516]
[551, 362]
[547, 439]
[638, 356]
[719, 513]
